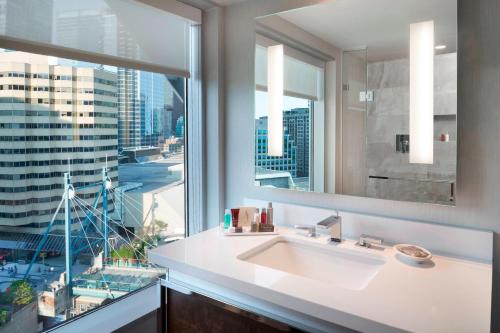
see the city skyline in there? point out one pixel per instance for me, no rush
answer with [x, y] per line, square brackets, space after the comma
[296, 151]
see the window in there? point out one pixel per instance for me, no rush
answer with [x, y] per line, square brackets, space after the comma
[297, 133]
[125, 155]
[303, 120]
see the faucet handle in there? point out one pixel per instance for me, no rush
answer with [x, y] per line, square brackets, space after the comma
[367, 240]
[311, 229]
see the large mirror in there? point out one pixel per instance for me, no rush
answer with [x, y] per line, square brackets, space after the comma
[359, 97]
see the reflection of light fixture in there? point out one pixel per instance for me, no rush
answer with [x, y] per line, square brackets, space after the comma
[275, 78]
[440, 47]
[422, 92]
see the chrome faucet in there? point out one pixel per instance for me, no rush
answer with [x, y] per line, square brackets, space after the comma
[311, 229]
[334, 224]
[368, 241]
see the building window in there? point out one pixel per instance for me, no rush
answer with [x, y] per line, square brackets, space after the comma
[126, 147]
[297, 134]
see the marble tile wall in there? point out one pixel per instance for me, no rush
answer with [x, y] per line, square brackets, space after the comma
[388, 115]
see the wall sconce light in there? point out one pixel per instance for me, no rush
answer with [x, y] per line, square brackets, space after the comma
[275, 79]
[422, 92]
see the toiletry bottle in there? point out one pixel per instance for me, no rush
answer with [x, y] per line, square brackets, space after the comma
[263, 216]
[227, 219]
[255, 221]
[270, 211]
[235, 213]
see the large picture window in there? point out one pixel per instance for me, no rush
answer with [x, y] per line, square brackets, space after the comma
[95, 152]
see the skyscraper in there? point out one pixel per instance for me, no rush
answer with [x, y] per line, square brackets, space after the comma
[179, 127]
[152, 102]
[52, 116]
[129, 115]
[287, 162]
[296, 124]
[141, 100]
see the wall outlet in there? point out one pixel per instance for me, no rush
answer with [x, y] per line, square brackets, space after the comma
[362, 96]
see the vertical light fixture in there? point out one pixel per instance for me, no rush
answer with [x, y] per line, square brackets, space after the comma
[275, 79]
[422, 92]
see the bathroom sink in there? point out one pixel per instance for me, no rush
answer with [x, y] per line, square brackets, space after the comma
[325, 263]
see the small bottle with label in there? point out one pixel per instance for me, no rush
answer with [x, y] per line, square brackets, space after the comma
[263, 216]
[270, 211]
[255, 221]
[227, 219]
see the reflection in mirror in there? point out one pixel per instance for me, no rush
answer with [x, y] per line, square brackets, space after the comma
[300, 118]
[368, 99]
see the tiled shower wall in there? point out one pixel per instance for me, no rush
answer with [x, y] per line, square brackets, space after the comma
[388, 115]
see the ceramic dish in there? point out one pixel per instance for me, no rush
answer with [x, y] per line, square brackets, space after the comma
[412, 253]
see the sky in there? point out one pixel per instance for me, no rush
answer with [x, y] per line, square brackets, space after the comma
[288, 103]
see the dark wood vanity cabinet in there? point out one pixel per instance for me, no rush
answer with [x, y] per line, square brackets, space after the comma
[196, 313]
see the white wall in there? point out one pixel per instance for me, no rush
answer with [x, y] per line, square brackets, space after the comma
[213, 79]
[478, 174]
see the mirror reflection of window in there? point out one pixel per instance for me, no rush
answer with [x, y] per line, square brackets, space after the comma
[302, 100]
[292, 170]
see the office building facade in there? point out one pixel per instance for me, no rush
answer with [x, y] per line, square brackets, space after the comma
[148, 109]
[296, 123]
[53, 119]
[287, 162]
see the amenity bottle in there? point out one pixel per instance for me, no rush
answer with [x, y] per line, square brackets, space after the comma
[227, 219]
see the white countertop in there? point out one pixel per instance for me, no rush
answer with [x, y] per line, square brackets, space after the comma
[448, 295]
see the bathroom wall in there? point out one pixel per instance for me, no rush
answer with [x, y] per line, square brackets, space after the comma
[353, 120]
[478, 175]
[388, 115]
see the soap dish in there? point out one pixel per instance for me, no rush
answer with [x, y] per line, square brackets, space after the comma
[412, 253]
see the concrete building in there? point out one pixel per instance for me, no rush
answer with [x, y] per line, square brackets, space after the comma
[271, 178]
[51, 115]
[129, 116]
[179, 127]
[150, 198]
[54, 300]
[287, 162]
[296, 124]
[144, 117]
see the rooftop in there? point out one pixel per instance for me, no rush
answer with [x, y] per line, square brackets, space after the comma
[154, 175]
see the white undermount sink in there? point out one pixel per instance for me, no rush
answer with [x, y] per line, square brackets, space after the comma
[325, 263]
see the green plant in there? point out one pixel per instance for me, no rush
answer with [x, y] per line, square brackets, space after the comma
[22, 292]
[161, 224]
[124, 252]
[5, 298]
[4, 316]
[136, 250]
[147, 241]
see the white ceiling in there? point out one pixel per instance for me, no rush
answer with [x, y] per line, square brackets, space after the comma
[380, 25]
